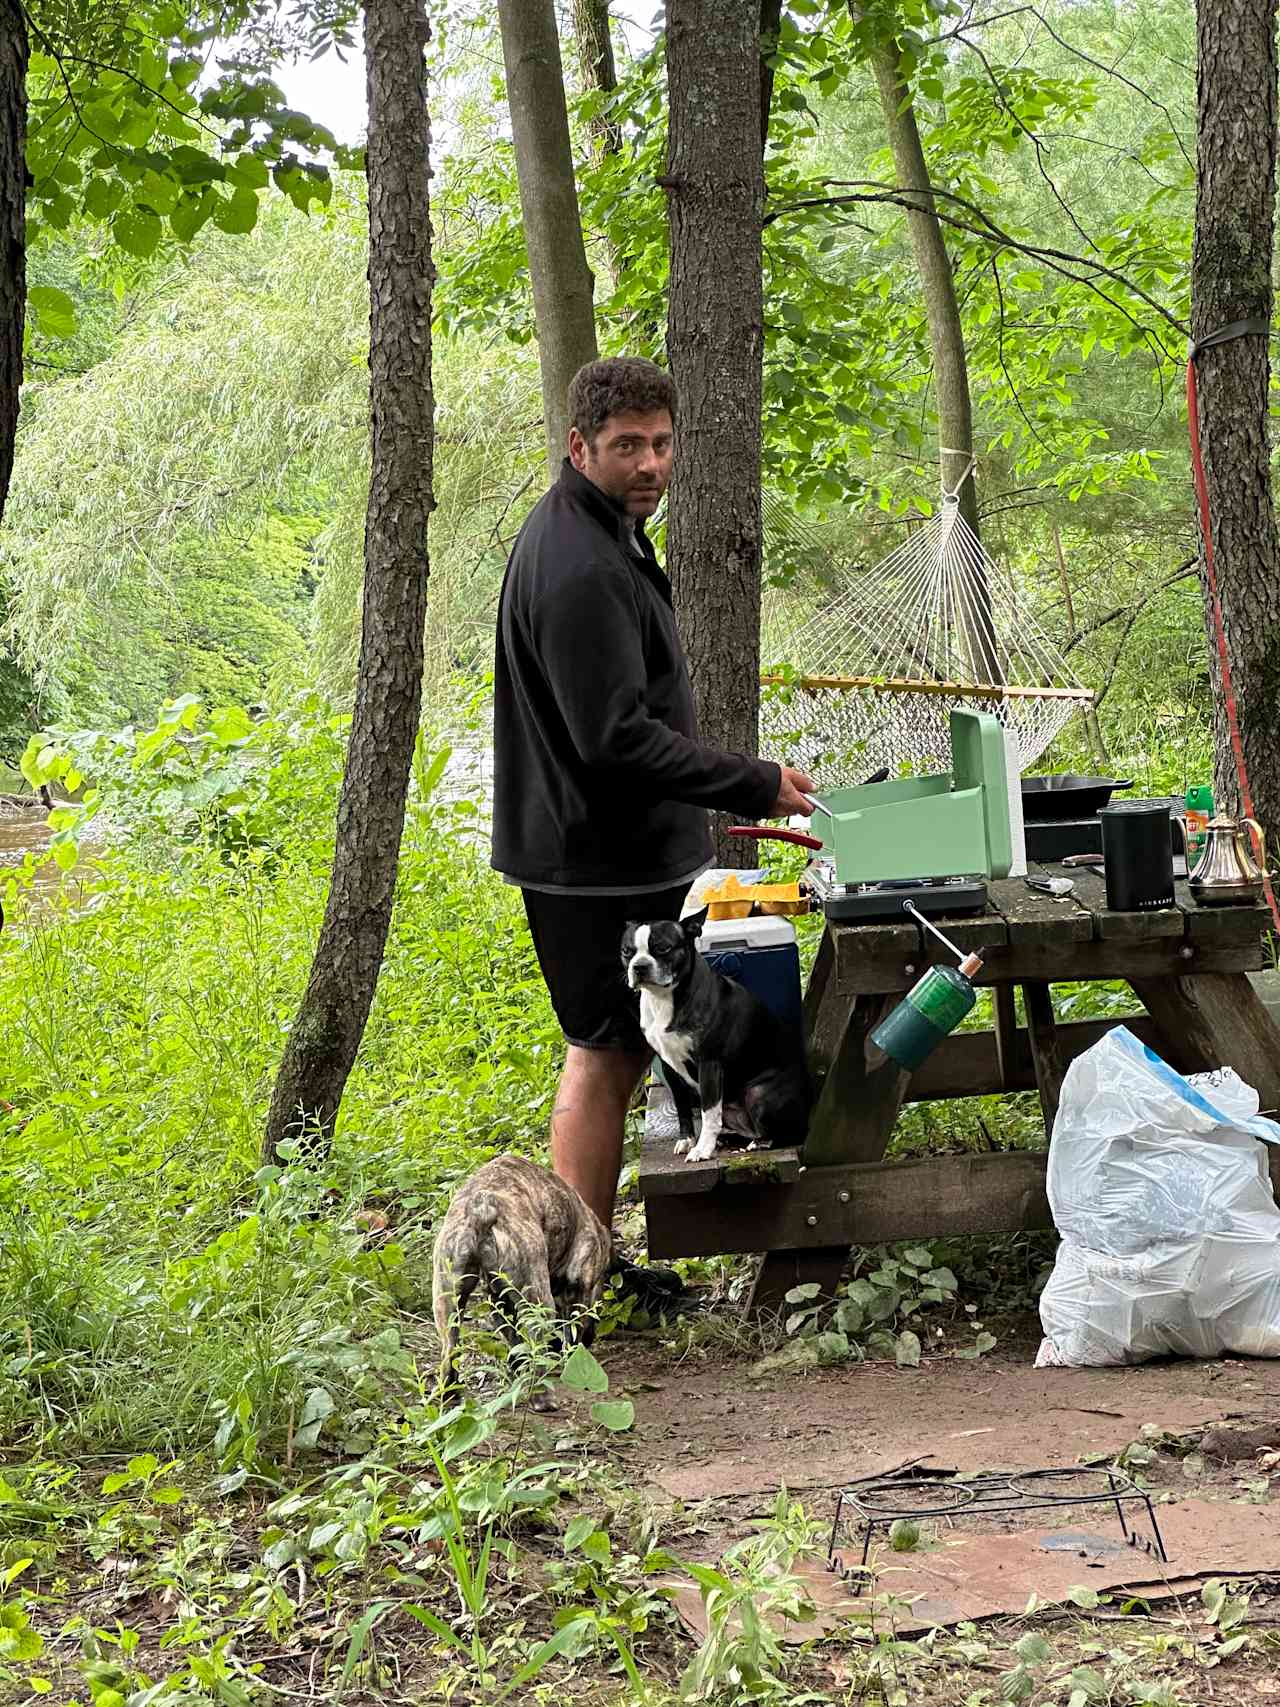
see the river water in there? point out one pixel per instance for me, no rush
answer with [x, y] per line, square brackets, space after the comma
[24, 829]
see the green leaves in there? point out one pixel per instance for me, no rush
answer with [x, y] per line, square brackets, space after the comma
[316, 1408]
[54, 311]
[239, 214]
[614, 1414]
[119, 113]
[582, 1526]
[907, 1350]
[583, 1373]
[18, 1641]
[137, 230]
[1084, 1597]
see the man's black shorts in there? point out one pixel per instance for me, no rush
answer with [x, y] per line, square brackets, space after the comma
[578, 941]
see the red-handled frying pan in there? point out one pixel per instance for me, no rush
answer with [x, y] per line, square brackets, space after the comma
[759, 833]
[762, 833]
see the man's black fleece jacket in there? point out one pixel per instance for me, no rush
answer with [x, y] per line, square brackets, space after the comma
[600, 779]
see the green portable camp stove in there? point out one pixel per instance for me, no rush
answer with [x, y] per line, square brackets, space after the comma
[933, 840]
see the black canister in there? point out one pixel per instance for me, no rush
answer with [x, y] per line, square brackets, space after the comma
[1137, 851]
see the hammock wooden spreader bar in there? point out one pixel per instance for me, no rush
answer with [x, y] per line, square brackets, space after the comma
[902, 684]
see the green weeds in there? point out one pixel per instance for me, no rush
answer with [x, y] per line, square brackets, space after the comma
[226, 1473]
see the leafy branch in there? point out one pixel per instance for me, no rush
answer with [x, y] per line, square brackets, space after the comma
[1077, 268]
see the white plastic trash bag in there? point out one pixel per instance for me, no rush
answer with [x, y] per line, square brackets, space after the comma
[1170, 1232]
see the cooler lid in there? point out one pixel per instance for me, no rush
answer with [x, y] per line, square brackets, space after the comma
[766, 931]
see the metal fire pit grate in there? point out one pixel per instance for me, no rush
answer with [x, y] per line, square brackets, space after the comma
[865, 1507]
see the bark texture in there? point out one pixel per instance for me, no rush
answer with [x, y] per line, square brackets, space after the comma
[558, 271]
[344, 974]
[946, 334]
[1231, 280]
[715, 184]
[598, 68]
[13, 271]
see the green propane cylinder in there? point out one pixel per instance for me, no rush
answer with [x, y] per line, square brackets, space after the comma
[931, 1009]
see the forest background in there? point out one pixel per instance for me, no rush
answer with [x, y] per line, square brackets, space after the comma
[180, 583]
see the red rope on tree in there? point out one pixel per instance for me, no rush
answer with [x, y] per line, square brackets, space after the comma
[1238, 329]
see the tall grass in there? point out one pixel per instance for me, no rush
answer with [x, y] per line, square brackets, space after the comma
[153, 1282]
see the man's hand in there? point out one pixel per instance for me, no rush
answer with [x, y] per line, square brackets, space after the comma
[791, 794]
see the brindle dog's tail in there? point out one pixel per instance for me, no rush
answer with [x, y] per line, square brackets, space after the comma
[483, 1215]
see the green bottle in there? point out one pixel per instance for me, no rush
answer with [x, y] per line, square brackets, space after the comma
[931, 1009]
[1199, 805]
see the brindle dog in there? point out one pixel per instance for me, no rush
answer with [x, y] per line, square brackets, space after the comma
[529, 1237]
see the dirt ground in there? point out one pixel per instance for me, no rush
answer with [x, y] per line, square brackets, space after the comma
[707, 1430]
[713, 1444]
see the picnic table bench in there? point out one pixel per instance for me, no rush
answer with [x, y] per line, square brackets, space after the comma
[804, 1207]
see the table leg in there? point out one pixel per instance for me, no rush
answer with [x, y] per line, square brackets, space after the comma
[862, 1092]
[818, 1044]
[852, 1122]
[1216, 1020]
[779, 1271]
[1005, 1013]
[1046, 1051]
[1208, 1020]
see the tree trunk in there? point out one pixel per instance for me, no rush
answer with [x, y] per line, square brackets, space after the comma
[1231, 280]
[13, 196]
[946, 335]
[558, 271]
[1089, 715]
[770, 24]
[715, 341]
[344, 974]
[598, 67]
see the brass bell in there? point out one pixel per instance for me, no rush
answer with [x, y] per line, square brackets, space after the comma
[1226, 874]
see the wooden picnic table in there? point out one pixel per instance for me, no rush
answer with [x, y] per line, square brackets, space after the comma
[804, 1208]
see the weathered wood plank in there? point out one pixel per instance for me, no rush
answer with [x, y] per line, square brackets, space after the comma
[823, 966]
[1208, 1022]
[822, 1013]
[973, 933]
[1162, 957]
[911, 946]
[1005, 1013]
[968, 1063]
[1034, 917]
[1219, 924]
[779, 1271]
[830, 1209]
[1091, 889]
[1046, 1051]
[664, 1174]
[861, 1092]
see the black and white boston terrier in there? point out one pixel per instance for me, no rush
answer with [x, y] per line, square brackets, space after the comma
[722, 1044]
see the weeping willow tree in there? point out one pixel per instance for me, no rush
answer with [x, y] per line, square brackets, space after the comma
[189, 514]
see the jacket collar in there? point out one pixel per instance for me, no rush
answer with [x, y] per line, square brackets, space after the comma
[606, 510]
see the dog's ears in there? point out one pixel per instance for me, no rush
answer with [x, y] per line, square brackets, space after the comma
[692, 925]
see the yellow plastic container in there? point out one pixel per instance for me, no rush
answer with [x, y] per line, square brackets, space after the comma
[733, 899]
[780, 899]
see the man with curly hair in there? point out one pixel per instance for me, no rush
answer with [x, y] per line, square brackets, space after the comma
[601, 787]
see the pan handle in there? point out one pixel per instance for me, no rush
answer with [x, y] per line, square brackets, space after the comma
[1116, 786]
[759, 834]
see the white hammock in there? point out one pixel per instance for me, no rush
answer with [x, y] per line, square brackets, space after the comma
[870, 681]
